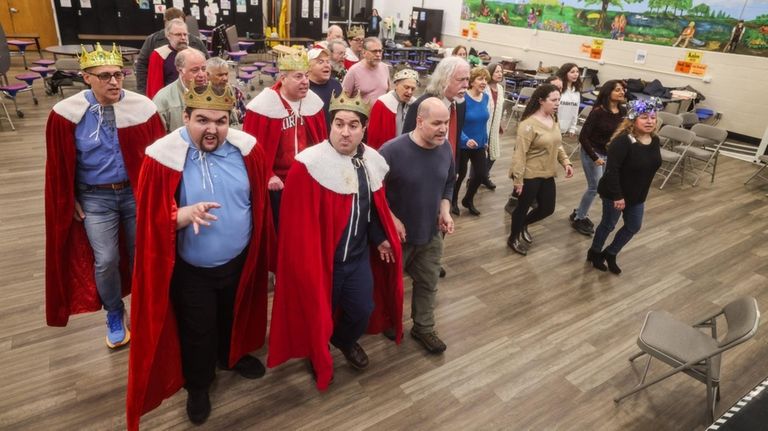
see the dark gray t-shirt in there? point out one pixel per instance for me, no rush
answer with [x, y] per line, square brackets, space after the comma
[417, 181]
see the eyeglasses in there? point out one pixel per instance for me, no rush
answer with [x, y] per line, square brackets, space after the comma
[357, 39]
[180, 34]
[106, 76]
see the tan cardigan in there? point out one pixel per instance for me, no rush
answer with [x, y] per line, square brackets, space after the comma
[537, 151]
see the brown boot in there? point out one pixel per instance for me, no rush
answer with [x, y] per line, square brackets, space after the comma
[355, 356]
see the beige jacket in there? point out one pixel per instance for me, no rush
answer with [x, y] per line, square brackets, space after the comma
[538, 150]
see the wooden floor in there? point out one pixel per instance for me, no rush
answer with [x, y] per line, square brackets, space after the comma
[538, 342]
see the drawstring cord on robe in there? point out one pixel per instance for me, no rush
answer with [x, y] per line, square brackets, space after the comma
[205, 171]
[298, 120]
[99, 111]
[357, 162]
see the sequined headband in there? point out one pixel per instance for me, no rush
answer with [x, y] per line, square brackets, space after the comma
[638, 107]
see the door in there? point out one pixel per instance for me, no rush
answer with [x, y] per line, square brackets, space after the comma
[29, 16]
[346, 13]
[307, 18]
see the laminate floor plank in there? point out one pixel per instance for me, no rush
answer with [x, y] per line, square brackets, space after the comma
[538, 342]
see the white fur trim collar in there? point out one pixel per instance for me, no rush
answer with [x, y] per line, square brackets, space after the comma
[269, 104]
[335, 172]
[389, 100]
[163, 51]
[171, 150]
[133, 109]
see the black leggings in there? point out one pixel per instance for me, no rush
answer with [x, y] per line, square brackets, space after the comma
[541, 190]
[478, 165]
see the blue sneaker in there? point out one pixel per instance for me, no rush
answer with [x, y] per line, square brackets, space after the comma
[117, 333]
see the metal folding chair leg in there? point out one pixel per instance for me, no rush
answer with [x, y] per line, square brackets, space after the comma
[757, 173]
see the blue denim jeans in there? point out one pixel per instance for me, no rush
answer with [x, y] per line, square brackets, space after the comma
[592, 173]
[105, 211]
[633, 220]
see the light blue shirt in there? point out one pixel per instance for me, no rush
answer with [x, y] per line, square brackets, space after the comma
[99, 159]
[218, 176]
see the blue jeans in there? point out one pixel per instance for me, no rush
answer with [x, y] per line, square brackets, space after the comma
[633, 220]
[592, 173]
[105, 210]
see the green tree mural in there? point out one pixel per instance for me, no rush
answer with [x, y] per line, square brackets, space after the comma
[601, 24]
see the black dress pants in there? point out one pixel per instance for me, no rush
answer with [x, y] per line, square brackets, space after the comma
[204, 300]
[477, 157]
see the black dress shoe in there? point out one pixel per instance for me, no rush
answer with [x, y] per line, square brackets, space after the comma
[490, 185]
[470, 206]
[442, 272]
[455, 209]
[517, 245]
[198, 406]
[526, 236]
[355, 356]
[248, 367]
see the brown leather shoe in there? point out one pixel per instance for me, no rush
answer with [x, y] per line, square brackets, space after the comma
[356, 356]
[429, 341]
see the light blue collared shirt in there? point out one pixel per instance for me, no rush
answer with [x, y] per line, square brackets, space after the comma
[218, 176]
[99, 159]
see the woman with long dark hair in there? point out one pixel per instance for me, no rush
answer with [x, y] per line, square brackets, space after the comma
[570, 98]
[607, 114]
[538, 150]
[634, 156]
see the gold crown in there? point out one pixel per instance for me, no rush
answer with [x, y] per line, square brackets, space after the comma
[347, 103]
[355, 31]
[99, 57]
[208, 99]
[296, 60]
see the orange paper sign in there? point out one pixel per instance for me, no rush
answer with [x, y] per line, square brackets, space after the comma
[683, 66]
[698, 69]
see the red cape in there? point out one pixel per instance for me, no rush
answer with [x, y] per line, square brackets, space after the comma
[264, 120]
[70, 287]
[154, 368]
[381, 125]
[155, 73]
[312, 221]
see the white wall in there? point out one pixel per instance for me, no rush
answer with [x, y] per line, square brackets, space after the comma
[738, 88]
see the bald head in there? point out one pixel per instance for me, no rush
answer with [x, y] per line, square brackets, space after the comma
[432, 120]
[191, 66]
[334, 32]
[430, 106]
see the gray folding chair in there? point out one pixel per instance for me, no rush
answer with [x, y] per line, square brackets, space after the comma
[763, 162]
[580, 120]
[689, 119]
[705, 149]
[668, 118]
[681, 139]
[689, 350]
[519, 105]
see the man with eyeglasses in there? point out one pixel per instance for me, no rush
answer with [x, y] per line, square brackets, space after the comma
[191, 66]
[156, 40]
[356, 36]
[369, 77]
[162, 69]
[95, 143]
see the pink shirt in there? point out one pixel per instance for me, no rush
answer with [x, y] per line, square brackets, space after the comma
[371, 83]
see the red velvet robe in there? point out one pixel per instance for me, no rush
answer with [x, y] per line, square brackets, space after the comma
[312, 221]
[154, 367]
[155, 73]
[264, 119]
[70, 287]
[382, 122]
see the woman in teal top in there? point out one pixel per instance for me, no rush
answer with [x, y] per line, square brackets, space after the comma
[473, 141]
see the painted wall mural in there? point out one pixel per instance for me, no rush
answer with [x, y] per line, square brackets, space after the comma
[734, 26]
